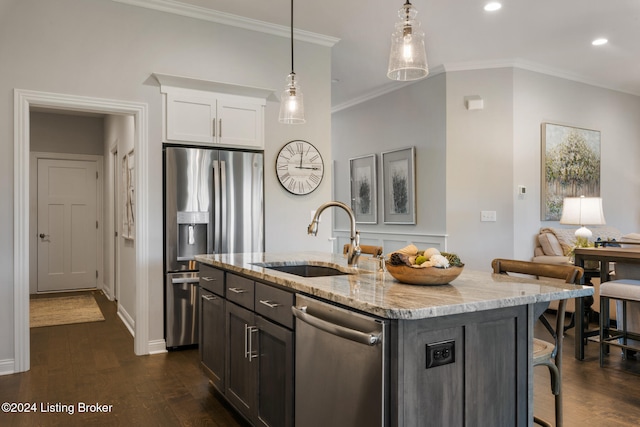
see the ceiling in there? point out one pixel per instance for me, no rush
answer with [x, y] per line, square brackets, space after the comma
[548, 36]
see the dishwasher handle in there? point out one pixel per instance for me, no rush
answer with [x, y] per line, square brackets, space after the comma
[368, 338]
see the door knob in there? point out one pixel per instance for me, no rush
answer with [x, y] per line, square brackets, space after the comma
[42, 235]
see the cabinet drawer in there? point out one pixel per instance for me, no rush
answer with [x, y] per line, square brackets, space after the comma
[240, 290]
[274, 304]
[212, 279]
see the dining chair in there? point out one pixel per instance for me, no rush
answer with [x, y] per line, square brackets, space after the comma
[624, 289]
[365, 249]
[546, 353]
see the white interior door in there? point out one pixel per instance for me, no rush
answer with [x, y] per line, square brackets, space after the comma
[67, 224]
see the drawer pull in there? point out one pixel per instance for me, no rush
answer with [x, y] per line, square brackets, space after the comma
[238, 290]
[209, 297]
[270, 304]
[208, 279]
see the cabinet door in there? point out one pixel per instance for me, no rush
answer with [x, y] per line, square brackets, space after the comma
[241, 363]
[190, 118]
[275, 375]
[240, 123]
[213, 336]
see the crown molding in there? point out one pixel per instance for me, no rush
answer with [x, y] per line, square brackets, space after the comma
[383, 90]
[483, 65]
[197, 12]
[535, 67]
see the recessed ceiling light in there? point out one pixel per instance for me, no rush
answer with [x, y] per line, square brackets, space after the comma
[599, 42]
[492, 6]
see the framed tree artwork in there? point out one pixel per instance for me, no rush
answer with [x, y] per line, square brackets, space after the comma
[570, 166]
[399, 186]
[364, 202]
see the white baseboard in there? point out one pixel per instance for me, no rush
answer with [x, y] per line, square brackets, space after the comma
[157, 346]
[127, 320]
[7, 367]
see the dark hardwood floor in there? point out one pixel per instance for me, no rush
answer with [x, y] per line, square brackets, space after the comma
[593, 396]
[94, 363]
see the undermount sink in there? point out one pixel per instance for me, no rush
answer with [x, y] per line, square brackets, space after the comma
[304, 270]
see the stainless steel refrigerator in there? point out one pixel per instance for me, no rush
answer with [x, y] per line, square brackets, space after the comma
[213, 203]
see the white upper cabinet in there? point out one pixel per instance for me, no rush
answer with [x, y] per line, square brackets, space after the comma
[197, 115]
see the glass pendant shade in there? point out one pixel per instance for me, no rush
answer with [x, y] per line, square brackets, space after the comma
[291, 104]
[408, 58]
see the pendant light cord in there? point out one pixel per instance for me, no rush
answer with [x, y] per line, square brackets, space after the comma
[292, 72]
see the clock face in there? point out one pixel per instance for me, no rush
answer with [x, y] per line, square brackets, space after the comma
[299, 167]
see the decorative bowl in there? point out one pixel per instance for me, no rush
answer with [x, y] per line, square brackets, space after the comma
[423, 276]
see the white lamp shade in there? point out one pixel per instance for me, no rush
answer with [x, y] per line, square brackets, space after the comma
[582, 211]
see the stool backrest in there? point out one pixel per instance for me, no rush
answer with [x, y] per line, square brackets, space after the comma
[365, 249]
[570, 273]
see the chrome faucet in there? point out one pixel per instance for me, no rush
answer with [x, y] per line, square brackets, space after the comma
[354, 248]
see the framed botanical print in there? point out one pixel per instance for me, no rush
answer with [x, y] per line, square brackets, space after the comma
[570, 166]
[399, 186]
[364, 202]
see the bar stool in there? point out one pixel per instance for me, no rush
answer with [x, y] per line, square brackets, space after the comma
[625, 291]
[546, 353]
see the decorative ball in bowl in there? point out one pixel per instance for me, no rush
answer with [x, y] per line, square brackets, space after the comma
[424, 276]
[428, 267]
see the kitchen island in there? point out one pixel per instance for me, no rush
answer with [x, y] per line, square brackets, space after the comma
[483, 322]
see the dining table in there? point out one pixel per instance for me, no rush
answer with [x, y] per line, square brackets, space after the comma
[605, 255]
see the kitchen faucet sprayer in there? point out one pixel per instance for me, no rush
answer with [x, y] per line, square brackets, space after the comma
[354, 248]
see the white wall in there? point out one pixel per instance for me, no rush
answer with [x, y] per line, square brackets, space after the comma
[109, 50]
[479, 166]
[540, 98]
[63, 133]
[119, 131]
[411, 116]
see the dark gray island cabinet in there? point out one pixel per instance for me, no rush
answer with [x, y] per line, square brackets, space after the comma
[452, 355]
[246, 345]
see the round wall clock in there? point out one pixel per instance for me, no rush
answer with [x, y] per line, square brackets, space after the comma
[299, 167]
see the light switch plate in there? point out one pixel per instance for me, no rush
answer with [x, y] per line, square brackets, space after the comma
[488, 216]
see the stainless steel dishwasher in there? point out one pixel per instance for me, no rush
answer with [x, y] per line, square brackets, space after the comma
[340, 373]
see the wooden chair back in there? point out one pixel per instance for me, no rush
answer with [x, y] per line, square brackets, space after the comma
[570, 273]
[545, 353]
[365, 249]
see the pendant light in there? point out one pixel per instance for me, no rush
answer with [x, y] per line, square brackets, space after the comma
[291, 106]
[408, 59]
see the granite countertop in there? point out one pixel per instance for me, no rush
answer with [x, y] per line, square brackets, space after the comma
[380, 294]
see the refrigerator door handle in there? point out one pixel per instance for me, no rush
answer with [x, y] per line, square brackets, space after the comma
[216, 207]
[223, 207]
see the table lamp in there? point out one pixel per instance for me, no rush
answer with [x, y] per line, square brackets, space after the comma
[582, 211]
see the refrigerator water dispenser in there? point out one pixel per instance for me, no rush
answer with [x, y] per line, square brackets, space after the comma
[193, 229]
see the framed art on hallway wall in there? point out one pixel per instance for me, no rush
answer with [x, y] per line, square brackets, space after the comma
[128, 199]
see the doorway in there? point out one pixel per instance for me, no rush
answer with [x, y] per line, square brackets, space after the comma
[23, 101]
